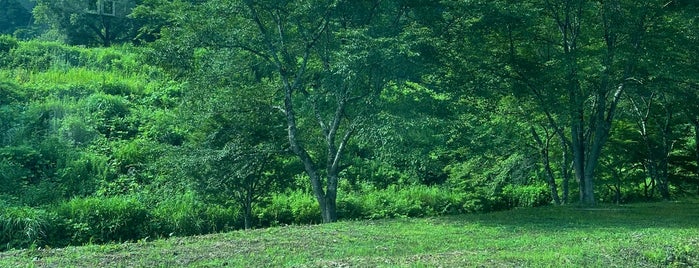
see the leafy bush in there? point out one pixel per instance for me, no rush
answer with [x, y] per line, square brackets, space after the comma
[351, 207]
[21, 227]
[22, 163]
[109, 113]
[304, 208]
[295, 207]
[117, 88]
[409, 201]
[81, 173]
[299, 207]
[12, 175]
[41, 193]
[162, 127]
[184, 214]
[683, 254]
[107, 106]
[40, 56]
[179, 215]
[82, 88]
[7, 43]
[219, 218]
[525, 195]
[77, 131]
[10, 93]
[105, 219]
[44, 117]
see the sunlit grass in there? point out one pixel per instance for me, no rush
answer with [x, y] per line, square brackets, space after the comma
[72, 76]
[74, 66]
[643, 235]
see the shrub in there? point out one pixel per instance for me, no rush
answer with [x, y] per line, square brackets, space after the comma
[109, 113]
[410, 201]
[105, 105]
[21, 164]
[105, 219]
[41, 193]
[11, 93]
[351, 207]
[77, 131]
[82, 89]
[220, 218]
[295, 207]
[299, 207]
[40, 56]
[304, 208]
[7, 43]
[82, 172]
[184, 214]
[43, 117]
[117, 88]
[179, 215]
[12, 175]
[525, 195]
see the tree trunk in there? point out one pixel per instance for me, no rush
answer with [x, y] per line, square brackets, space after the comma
[325, 201]
[550, 178]
[565, 172]
[248, 215]
[695, 122]
[329, 212]
[657, 152]
[578, 144]
[664, 156]
[107, 40]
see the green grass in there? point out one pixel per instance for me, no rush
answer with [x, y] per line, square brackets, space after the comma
[640, 235]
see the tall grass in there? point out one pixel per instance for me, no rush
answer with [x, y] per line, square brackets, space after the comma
[105, 219]
[185, 214]
[22, 227]
[47, 65]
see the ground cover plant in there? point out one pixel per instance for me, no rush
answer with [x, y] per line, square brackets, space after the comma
[640, 235]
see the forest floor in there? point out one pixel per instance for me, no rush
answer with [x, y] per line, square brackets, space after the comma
[664, 234]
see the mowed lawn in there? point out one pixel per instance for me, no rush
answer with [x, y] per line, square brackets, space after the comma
[664, 234]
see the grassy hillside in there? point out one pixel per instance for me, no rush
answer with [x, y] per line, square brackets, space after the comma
[642, 235]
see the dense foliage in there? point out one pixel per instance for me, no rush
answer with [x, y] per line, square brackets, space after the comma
[121, 120]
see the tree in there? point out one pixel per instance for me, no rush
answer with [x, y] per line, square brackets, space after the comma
[14, 15]
[246, 174]
[93, 22]
[328, 60]
[236, 136]
[574, 58]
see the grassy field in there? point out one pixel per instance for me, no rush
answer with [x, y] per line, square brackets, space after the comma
[639, 235]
